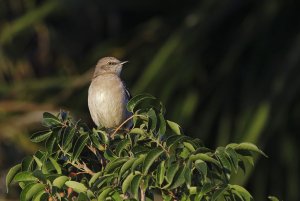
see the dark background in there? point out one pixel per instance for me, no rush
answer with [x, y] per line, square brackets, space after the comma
[227, 71]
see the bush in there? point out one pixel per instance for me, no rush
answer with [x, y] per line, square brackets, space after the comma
[152, 159]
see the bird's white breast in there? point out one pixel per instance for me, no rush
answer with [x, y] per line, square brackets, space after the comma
[107, 101]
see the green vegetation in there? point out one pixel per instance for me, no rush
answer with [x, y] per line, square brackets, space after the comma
[228, 71]
[151, 159]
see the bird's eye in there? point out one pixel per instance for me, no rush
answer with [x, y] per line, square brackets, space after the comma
[112, 63]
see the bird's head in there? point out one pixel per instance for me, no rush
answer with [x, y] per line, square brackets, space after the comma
[109, 65]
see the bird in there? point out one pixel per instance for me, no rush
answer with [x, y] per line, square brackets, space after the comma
[107, 94]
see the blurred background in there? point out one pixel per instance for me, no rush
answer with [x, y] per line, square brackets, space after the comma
[227, 71]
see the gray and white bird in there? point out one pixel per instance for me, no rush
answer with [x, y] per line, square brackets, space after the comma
[107, 95]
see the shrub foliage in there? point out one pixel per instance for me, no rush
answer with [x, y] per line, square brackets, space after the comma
[154, 158]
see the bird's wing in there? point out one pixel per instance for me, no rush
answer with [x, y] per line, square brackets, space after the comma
[127, 92]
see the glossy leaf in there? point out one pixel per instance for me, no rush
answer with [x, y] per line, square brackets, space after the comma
[126, 166]
[122, 145]
[204, 157]
[137, 162]
[160, 175]
[40, 136]
[201, 167]
[25, 176]
[79, 145]
[76, 186]
[249, 147]
[50, 120]
[56, 165]
[242, 191]
[126, 183]
[11, 174]
[150, 158]
[135, 184]
[131, 105]
[104, 194]
[174, 127]
[171, 171]
[113, 165]
[60, 181]
[30, 190]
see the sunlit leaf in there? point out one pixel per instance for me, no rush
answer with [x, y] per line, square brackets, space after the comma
[174, 127]
[76, 186]
[30, 190]
[25, 176]
[60, 181]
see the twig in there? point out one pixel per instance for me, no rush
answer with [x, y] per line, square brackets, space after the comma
[118, 128]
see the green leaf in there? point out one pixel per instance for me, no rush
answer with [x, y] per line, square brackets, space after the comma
[39, 174]
[94, 178]
[25, 176]
[104, 180]
[218, 193]
[201, 166]
[38, 161]
[115, 164]
[116, 196]
[68, 136]
[104, 194]
[11, 174]
[103, 135]
[174, 139]
[273, 198]
[152, 119]
[50, 120]
[233, 158]
[204, 157]
[135, 183]
[50, 143]
[137, 131]
[126, 166]
[162, 125]
[126, 183]
[221, 155]
[95, 140]
[150, 158]
[30, 190]
[160, 174]
[79, 145]
[171, 171]
[136, 100]
[179, 178]
[242, 191]
[41, 195]
[174, 127]
[122, 145]
[76, 186]
[82, 197]
[249, 147]
[40, 136]
[137, 162]
[27, 163]
[60, 181]
[56, 165]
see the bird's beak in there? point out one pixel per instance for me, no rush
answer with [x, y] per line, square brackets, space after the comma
[123, 62]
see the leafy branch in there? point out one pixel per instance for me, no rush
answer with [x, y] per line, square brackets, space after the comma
[153, 158]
